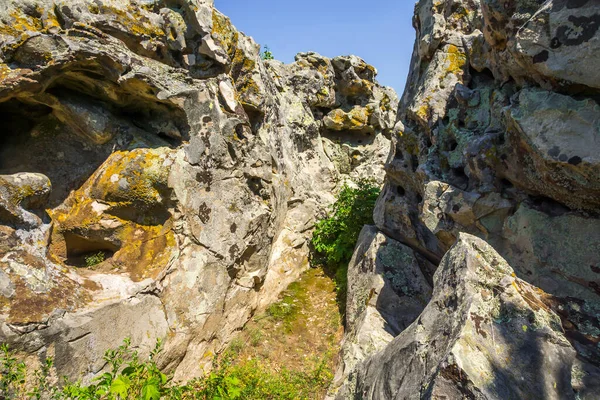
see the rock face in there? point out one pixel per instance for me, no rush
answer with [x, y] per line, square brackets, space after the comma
[480, 337]
[494, 177]
[158, 179]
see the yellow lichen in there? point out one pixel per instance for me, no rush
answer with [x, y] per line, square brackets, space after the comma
[456, 60]
[130, 182]
[224, 32]
[133, 19]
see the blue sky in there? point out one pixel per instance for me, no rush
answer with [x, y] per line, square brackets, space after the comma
[379, 31]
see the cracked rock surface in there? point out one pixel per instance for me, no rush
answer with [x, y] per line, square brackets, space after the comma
[493, 180]
[158, 179]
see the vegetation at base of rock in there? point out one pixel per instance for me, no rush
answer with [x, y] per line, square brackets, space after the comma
[129, 378]
[234, 375]
[334, 237]
[267, 54]
[286, 310]
[94, 259]
[289, 352]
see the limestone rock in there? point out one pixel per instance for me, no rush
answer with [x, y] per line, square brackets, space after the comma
[479, 337]
[497, 139]
[158, 178]
[21, 192]
[386, 292]
[560, 137]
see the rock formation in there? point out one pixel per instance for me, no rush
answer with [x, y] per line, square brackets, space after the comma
[158, 179]
[494, 180]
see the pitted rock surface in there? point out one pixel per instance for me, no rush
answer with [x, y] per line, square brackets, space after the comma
[498, 139]
[152, 133]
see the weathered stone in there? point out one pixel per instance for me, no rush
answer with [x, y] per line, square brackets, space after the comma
[386, 292]
[498, 139]
[556, 151]
[186, 175]
[20, 193]
[478, 338]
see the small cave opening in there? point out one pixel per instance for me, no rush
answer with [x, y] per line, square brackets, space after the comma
[142, 215]
[87, 252]
[131, 107]
[501, 139]
[452, 145]
[480, 78]
[401, 191]
[256, 118]
[428, 143]
[549, 206]
[505, 184]
[414, 162]
[460, 178]
[34, 141]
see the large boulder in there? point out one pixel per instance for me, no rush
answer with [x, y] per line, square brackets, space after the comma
[387, 291]
[497, 138]
[485, 334]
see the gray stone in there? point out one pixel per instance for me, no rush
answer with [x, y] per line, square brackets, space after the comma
[478, 338]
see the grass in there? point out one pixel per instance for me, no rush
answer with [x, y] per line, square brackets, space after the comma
[286, 353]
[289, 351]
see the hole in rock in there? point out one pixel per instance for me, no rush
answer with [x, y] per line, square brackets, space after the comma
[549, 206]
[460, 178]
[506, 184]
[414, 163]
[501, 139]
[401, 191]
[34, 141]
[87, 252]
[149, 216]
[452, 145]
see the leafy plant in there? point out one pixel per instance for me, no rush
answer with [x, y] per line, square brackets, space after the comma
[12, 374]
[128, 378]
[335, 237]
[253, 380]
[267, 54]
[94, 259]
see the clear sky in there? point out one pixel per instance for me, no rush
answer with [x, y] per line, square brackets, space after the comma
[379, 31]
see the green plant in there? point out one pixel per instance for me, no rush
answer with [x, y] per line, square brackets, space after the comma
[335, 237]
[12, 374]
[255, 337]
[128, 378]
[267, 54]
[253, 380]
[94, 259]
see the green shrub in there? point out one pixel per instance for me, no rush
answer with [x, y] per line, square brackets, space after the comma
[128, 378]
[253, 380]
[94, 259]
[335, 237]
[267, 54]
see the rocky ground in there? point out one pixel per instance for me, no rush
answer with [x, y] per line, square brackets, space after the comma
[300, 333]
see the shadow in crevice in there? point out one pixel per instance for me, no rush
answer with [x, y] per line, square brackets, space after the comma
[34, 141]
[81, 249]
